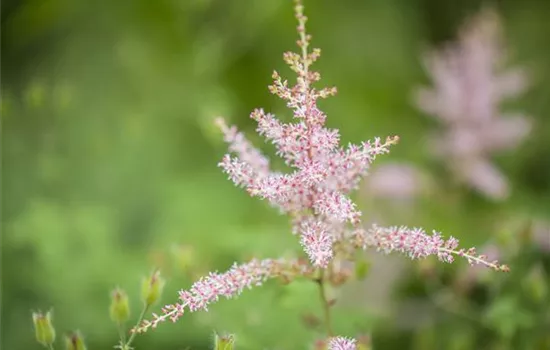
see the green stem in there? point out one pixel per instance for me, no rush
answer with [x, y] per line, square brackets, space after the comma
[326, 304]
[141, 316]
[50, 346]
[121, 333]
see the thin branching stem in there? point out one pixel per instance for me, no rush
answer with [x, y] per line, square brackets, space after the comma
[121, 332]
[321, 282]
[140, 319]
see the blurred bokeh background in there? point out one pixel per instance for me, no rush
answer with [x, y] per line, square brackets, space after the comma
[109, 169]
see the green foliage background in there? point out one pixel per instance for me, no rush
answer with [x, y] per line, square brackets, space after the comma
[109, 156]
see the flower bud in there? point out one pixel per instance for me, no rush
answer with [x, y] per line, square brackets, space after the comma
[151, 288]
[120, 308]
[74, 341]
[224, 342]
[43, 328]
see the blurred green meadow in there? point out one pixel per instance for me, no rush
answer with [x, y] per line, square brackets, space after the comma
[109, 154]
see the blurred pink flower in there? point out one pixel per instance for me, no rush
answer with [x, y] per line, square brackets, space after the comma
[396, 181]
[469, 86]
[341, 343]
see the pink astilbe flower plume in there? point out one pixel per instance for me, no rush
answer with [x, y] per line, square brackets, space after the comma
[315, 194]
[342, 343]
[228, 284]
[469, 87]
[417, 244]
[324, 173]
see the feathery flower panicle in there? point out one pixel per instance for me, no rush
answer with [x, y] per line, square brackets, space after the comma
[469, 86]
[342, 343]
[315, 194]
[417, 244]
[228, 284]
[397, 181]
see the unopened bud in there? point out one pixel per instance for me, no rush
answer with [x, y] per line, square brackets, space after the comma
[74, 341]
[43, 328]
[224, 342]
[120, 308]
[151, 288]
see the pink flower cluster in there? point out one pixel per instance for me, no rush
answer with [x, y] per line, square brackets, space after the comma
[469, 86]
[417, 244]
[316, 192]
[228, 284]
[342, 343]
